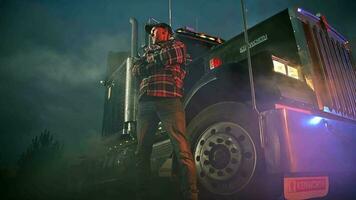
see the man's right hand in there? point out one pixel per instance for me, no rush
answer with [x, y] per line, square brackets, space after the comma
[139, 60]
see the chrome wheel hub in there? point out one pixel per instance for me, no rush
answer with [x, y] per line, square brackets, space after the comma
[225, 157]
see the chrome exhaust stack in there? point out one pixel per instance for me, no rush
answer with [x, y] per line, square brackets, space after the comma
[130, 88]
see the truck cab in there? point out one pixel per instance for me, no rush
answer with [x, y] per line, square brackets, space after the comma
[301, 134]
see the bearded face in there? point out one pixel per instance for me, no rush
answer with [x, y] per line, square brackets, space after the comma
[159, 34]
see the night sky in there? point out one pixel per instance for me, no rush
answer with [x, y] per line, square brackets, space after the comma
[53, 55]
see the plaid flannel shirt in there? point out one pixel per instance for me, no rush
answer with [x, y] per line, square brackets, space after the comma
[160, 69]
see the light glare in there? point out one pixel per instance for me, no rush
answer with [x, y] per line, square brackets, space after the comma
[315, 120]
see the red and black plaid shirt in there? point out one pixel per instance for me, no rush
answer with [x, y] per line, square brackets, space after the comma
[161, 71]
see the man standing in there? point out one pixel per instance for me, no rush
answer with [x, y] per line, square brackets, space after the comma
[161, 77]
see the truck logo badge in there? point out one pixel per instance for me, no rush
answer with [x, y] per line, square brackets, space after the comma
[256, 42]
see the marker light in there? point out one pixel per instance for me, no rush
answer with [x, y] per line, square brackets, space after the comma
[203, 36]
[214, 63]
[326, 109]
[315, 120]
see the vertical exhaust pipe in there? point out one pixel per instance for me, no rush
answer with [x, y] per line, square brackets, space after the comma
[130, 89]
[134, 35]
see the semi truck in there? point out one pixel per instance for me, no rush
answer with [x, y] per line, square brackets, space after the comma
[287, 126]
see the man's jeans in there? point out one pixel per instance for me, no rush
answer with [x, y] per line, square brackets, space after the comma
[171, 113]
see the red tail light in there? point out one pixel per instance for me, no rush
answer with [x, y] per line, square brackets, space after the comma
[215, 63]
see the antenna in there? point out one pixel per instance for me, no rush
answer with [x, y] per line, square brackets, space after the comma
[250, 72]
[170, 12]
[252, 85]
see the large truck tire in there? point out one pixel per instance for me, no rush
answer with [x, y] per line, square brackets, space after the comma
[226, 149]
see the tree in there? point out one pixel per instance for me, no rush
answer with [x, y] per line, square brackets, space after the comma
[40, 172]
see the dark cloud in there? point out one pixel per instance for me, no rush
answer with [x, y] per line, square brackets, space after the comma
[48, 81]
[46, 88]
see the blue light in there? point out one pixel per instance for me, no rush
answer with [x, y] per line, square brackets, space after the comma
[299, 10]
[315, 120]
[327, 109]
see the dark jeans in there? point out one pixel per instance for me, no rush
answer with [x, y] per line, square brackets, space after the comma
[171, 113]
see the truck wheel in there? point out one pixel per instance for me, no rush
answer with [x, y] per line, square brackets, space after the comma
[225, 147]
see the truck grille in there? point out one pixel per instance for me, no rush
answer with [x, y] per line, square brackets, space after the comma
[336, 67]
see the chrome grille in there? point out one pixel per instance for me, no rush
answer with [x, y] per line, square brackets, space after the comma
[339, 76]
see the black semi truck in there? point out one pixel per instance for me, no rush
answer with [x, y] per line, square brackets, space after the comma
[301, 134]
